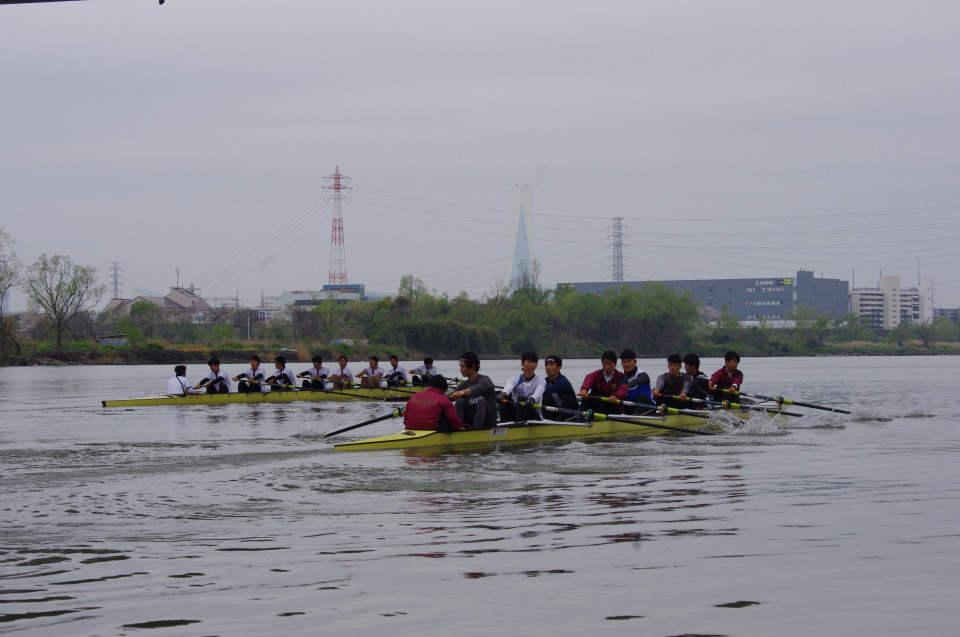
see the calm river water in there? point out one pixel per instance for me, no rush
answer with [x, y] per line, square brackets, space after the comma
[242, 520]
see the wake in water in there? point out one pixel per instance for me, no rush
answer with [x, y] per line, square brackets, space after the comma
[759, 424]
[769, 424]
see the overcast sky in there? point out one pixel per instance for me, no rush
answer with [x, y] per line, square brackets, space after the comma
[737, 139]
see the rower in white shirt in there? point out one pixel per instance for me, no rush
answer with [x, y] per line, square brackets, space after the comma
[423, 373]
[216, 382]
[395, 374]
[523, 390]
[341, 377]
[315, 376]
[178, 385]
[371, 374]
[282, 378]
[251, 379]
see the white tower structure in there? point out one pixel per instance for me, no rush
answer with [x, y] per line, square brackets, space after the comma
[521, 209]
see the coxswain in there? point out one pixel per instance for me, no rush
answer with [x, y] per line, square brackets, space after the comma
[673, 387]
[475, 398]
[558, 390]
[251, 380]
[178, 385]
[314, 377]
[605, 382]
[430, 409]
[215, 381]
[522, 391]
[727, 377]
[282, 378]
[341, 377]
[395, 374]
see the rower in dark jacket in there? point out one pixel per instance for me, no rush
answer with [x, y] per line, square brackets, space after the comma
[699, 383]
[475, 398]
[672, 384]
[559, 391]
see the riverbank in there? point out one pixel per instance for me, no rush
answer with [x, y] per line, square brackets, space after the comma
[86, 353]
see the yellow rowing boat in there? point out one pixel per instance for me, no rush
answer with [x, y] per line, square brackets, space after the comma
[535, 431]
[390, 394]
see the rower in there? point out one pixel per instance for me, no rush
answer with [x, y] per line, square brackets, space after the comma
[422, 373]
[178, 385]
[557, 391]
[700, 384]
[431, 410]
[215, 382]
[523, 390]
[315, 375]
[371, 374]
[605, 382]
[341, 377]
[395, 374]
[727, 377]
[251, 380]
[673, 383]
[282, 378]
[475, 398]
[638, 381]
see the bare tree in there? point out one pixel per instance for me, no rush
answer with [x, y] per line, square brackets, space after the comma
[62, 289]
[500, 292]
[10, 266]
[528, 283]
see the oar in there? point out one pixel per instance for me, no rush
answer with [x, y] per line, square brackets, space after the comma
[274, 382]
[726, 404]
[660, 409]
[393, 414]
[592, 415]
[201, 384]
[629, 403]
[346, 391]
[785, 401]
[659, 426]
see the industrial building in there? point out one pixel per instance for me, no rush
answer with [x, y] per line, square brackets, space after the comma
[751, 300]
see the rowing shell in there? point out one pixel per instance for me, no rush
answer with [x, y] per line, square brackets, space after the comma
[358, 393]
[526, 431]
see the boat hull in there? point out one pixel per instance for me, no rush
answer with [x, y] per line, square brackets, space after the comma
[524, 432]
[359, 393]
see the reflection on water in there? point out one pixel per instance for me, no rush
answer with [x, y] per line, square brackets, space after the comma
[241, 519]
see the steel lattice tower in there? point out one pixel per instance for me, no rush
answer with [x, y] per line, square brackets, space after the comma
[338, 259]
[618, 249]
[116, 276]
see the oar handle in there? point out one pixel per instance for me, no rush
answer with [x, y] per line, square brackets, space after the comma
[586, 415]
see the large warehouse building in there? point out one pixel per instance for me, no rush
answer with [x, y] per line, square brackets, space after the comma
[749, 300]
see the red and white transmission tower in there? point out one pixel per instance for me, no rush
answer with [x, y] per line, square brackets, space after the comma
[338, 260]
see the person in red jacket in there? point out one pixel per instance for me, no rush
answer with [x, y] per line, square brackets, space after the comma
[606, 382]
[430, 409]
[727, 377]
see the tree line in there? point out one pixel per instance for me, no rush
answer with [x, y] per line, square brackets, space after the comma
[509, 319]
